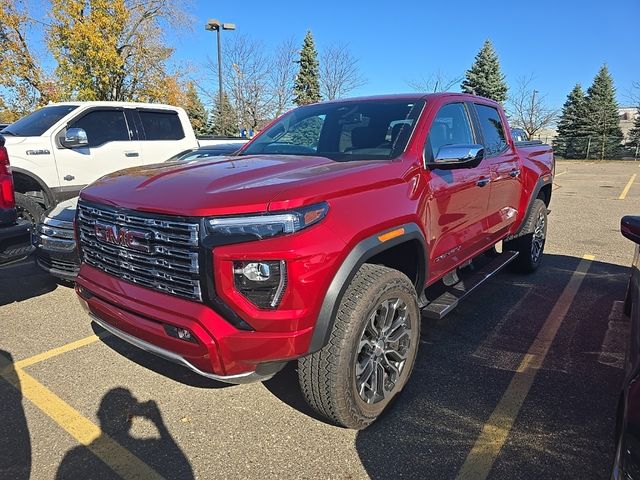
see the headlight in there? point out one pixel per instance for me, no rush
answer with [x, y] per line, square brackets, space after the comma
[261, 282]
[268, 225]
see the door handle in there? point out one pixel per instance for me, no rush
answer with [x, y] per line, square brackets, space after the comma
[514, 173]
[483, 182]
[131, 154]
[68, 178]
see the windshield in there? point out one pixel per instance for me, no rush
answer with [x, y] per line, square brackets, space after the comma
[38, 122]
[343, 131]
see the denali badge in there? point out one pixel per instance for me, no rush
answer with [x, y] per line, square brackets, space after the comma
[123, 237]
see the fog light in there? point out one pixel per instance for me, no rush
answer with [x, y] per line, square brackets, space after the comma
[179, 333]
[261, 282]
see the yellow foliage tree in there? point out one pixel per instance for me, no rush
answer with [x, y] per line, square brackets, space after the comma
[23, 82]
[111, 49]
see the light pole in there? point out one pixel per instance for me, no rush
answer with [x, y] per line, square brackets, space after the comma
[218, 26]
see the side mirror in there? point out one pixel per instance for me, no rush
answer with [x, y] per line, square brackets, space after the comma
[75, 137]
[630, 228]
[458, 154]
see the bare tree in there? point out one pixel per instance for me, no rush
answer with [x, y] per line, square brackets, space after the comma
[634, 94]
[339, 72]
[436, 82]
[528, 109]
[247, 81]
[282, 75]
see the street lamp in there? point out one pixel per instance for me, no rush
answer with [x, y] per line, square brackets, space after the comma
[218, 26]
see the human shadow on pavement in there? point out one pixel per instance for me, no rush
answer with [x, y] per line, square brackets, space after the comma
[15, 443]
[156, 364]
[24, 280]
[117, 410]
[466, 362]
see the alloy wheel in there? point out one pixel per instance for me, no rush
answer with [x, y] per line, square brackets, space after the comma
[383, 349]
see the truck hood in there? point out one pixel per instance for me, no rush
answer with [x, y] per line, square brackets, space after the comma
[225, 185]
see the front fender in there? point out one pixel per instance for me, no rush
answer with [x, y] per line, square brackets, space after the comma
[359, 255]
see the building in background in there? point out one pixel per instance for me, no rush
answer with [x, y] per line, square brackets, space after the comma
[627, 117]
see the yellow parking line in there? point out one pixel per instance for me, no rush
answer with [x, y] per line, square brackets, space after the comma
[495, 431]
[627, 187]
[59, 350]
[118, 458]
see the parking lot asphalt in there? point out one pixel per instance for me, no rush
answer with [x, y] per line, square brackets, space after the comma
[521, 381]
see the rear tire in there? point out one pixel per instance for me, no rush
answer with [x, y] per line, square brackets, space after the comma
[371, 351]
[28, 209]
[530, 241]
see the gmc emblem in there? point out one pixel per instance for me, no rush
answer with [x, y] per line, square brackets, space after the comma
[123, 237]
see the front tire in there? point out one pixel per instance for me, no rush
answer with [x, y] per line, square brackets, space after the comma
[28, 209]
[371, 351]
[530, 241]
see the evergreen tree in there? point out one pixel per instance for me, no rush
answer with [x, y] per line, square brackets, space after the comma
[484, 78]
[603, 120]
[223, 121]
[634, 133]
[571, 141]
[195, 110]
[306, 88]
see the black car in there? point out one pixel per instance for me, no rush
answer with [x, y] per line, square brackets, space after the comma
[55, 242]
[627, 459]
[15, 235]
[216, 150]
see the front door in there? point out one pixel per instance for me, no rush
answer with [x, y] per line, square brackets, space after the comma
[458, 194]
[110, 148]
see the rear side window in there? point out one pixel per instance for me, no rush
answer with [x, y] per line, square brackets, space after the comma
[492, 129]
[451, 126]
[103, 126]
[161, 125]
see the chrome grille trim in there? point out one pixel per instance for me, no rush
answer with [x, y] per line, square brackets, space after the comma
[172, 265]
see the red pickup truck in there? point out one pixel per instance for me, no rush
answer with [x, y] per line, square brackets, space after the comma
[324, 240]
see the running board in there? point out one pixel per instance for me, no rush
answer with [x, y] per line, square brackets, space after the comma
[448, 300]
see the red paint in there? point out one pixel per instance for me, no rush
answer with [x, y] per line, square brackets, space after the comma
[459, 220]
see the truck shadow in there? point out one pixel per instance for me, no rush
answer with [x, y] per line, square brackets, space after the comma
[23, 280]
[466, 361]
[156, 364]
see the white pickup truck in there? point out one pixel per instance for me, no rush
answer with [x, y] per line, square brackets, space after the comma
[57, 150]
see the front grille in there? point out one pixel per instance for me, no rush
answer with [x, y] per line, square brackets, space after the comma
[169, 263]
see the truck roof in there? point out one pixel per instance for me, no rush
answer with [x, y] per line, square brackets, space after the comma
[117, 104]
[413, 96]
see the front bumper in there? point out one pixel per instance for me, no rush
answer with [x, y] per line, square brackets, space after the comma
[56, 250]
[222, 352]
[240, 378]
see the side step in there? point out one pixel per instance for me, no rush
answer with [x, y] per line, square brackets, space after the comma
[448, 300]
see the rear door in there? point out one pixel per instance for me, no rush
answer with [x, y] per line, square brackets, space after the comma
[162, 135]
[459, 194]
[111, 147]
[503, 161]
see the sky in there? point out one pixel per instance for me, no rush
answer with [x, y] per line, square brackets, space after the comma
[558, 42]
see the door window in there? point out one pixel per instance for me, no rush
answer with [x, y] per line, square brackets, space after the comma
[492, 129]
[103, 126]
[161, 125]
[451, 126]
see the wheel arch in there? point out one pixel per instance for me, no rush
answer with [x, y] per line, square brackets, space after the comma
[25, 181]
[394, 248]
